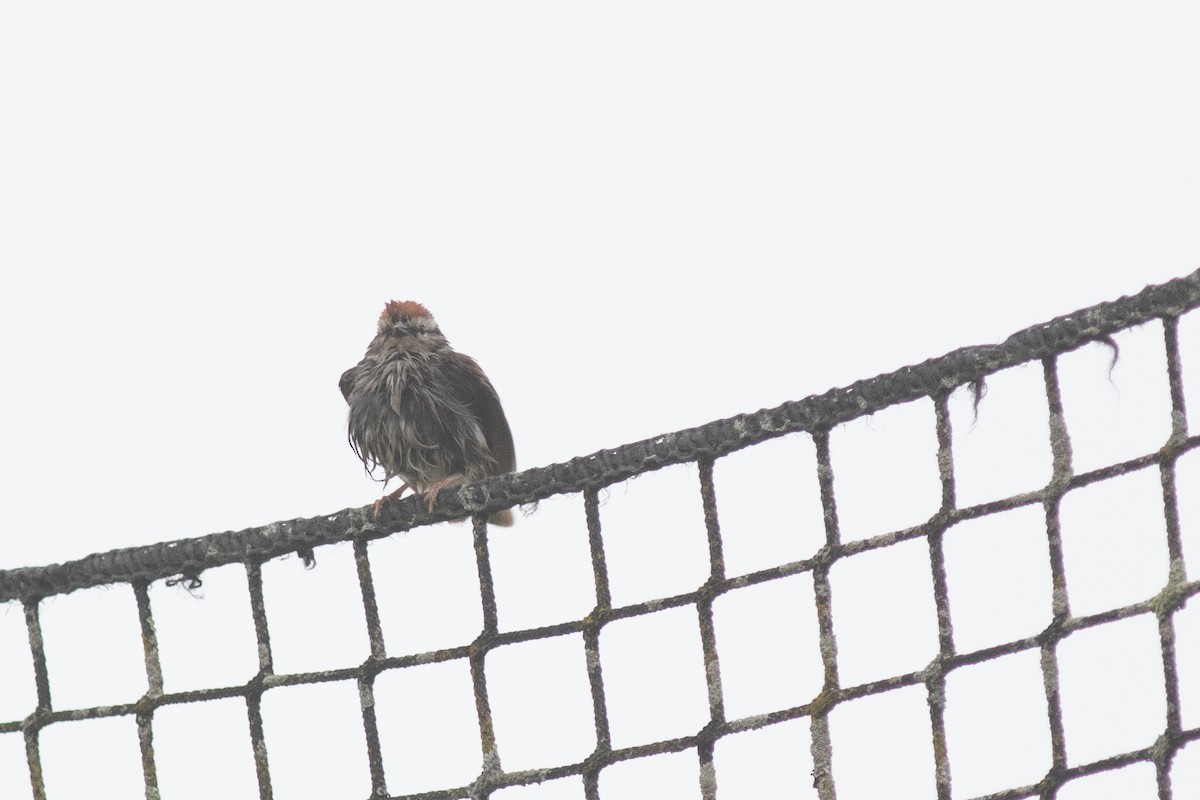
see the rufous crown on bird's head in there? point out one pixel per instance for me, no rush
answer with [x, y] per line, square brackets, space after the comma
[406, 314]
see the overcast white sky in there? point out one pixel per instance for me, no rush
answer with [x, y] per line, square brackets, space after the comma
[638, 217]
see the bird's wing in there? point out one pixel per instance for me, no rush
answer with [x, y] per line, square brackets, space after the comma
[470, 386]
[346, 384]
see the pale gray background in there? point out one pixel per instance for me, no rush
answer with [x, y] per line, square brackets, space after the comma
[638, 217]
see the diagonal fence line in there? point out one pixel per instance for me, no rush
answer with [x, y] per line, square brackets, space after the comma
[812, 414]
[935, 379]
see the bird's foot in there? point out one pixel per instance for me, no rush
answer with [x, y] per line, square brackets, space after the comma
[432, 492]
[393, 496]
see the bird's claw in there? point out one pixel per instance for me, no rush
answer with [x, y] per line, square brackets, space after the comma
[378, 504]
[432, 492]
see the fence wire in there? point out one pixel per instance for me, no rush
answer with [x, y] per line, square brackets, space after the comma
[936, 379]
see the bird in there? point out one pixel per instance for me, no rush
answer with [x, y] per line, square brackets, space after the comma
[423, 412]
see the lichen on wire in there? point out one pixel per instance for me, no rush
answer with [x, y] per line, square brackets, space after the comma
[184, 562]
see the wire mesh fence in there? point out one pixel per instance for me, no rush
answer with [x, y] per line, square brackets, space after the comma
[934, 380]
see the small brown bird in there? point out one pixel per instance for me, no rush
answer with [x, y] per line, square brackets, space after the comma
[423, 412]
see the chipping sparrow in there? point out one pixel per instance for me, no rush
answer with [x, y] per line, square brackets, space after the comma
[423, 412]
